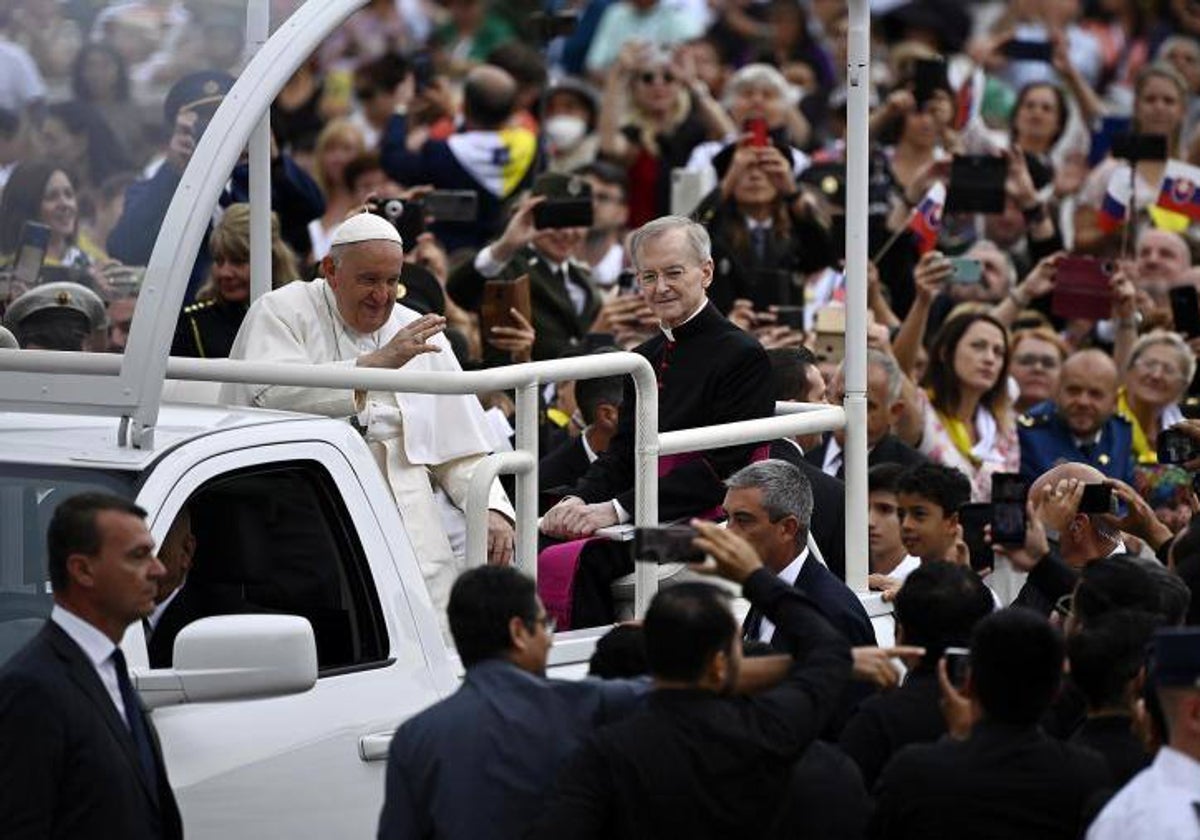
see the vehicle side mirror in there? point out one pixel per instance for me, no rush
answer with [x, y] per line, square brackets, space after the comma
[235, 657]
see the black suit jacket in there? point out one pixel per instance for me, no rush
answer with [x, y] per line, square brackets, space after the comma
[889, 450]
[184, 608]
[891, 720]
[68, 765]
[1002, 782]
[563, 466]
[837, 603]
[699, 764]
[828, 523]
[555, 320]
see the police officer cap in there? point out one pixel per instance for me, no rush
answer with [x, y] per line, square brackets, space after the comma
[204, 88]
[1177, 656]
[558, 185]
[67, 297]
[365, 227]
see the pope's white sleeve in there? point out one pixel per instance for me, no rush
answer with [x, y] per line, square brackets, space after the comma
[269, 338]
[455, 477]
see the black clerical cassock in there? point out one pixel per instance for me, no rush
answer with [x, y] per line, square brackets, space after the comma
[709, 372]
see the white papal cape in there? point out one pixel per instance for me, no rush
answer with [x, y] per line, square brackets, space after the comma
[416, 438]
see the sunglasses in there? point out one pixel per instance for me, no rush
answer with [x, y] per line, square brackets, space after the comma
[649, 77]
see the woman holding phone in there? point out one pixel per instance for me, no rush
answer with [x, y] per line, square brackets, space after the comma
[44, 193]
[962, 415]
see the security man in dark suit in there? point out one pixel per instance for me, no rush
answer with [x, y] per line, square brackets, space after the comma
[998, 774]
[564, 300]
[769, 503]
[697, 762]
[79, 757]
[1081, 424]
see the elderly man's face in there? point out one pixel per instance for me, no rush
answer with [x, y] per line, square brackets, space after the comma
[1162, 258]
[365, 282]
[758, 100]
[671, 280]
[993, 283]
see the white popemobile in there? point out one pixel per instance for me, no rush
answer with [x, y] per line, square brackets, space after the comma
[276, 721]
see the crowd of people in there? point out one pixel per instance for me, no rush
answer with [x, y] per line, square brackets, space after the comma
[473, 183]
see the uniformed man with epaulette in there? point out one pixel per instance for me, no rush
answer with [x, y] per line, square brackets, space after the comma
[1080, 425]
[59, 316]
[564, 300]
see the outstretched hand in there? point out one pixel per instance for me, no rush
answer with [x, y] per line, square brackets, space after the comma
[409, 342]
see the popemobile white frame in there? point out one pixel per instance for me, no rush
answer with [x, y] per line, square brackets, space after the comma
[131, 386]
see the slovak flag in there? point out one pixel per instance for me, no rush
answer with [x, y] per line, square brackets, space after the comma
[1115, 206]
[926, 221]
[1181, 190]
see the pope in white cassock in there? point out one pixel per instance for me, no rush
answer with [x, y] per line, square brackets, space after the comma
[349, 317]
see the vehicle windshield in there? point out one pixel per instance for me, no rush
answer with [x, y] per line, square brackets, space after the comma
[28, 499]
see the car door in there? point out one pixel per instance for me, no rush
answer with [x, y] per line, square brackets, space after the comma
[307, 765]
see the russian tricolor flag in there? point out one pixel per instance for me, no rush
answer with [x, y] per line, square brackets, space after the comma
[1115, 206]
[926, 221]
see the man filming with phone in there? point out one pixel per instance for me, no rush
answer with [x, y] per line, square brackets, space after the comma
[563, 299]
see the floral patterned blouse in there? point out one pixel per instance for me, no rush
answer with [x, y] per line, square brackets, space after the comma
[997, 449]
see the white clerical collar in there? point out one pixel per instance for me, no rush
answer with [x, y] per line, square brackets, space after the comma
[792, 570]
[669, 331]
[587, 447]
[162, 608]
[90, 638]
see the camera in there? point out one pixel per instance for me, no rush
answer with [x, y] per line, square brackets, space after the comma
[1175, 447]
[669, 544]
[408, 217]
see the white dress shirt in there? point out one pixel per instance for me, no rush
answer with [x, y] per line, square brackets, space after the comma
[789, 574]
[159, 609]
[833, 457]
[97, 647]
[1159, 802]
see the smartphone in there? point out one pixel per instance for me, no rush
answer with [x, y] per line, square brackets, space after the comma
[1185, 310]
[967, 272]
[973, 517]
[1140, 147]
[500, 297]
[958, 662]
[452, 205]
[1102, 138]
[1010, 491]
[1081, 288]
[830, 325]
[1175, 447]
[1029, 51]
[929, 76]
[790, 316]
[563, 213]
[627, 282]
[408, 217]
[1098, 498]
[31, 253]
[557, 25]
[667, 544]
[760, 136]
[422, 69]
[976, 184]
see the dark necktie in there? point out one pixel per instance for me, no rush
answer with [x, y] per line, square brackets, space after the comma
[758, 238]
[136, 721]
[1087, 450]
[754, 620]
[564, 275]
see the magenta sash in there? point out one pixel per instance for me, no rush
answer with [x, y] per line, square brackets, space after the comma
[557, 564]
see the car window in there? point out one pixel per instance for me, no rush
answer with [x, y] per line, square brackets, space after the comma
[28, 497]
[277, 540]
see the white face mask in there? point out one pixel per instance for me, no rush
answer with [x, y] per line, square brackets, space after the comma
[565, 132]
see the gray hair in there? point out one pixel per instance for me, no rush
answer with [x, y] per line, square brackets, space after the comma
[785, 490]
[895, 379]
[1167, 339]
[698, 241]
[756, 75]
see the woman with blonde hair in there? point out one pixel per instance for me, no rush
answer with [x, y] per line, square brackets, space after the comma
[340, 142]
[207, 328]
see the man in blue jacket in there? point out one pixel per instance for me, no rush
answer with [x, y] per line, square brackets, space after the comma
[189, 106]
[487, 155]
[1081, 424]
